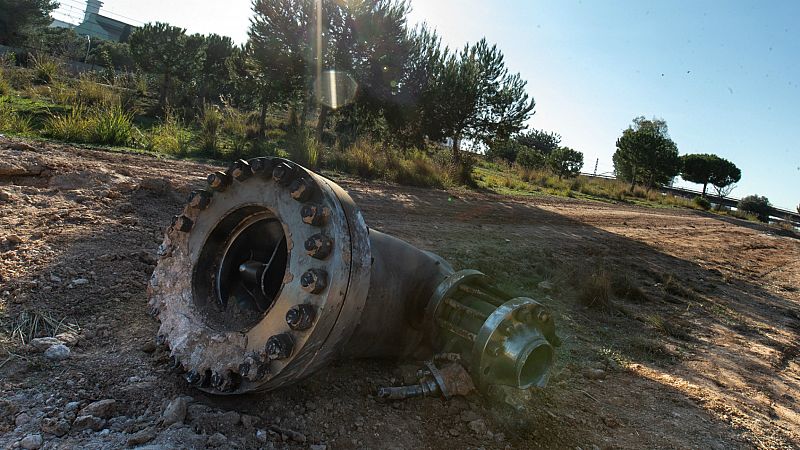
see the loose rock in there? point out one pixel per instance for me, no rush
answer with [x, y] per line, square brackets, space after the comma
[43, 343]
[594, 374]
[175, 412]
[31, 442]
[102, 408]
[478, 427]
[88, 422]
[141, 437]
[58, 352]
[22, 419]
[56, 427]
[218, 440]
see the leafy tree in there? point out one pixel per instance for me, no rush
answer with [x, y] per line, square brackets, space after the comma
[476, 97]
[119, 54]
[18, 18]
[724, 175]
[62, 42]
[704, 169]
[214, 78]
[530, 158]
[756, 205]
[167, 51]
[545, 142]
[507, 150]
[697, 168]
[646, 154]
[565, 162]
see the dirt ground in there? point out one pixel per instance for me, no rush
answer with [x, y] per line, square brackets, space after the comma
[681, 329]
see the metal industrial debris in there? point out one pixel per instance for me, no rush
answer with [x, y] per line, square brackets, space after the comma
[271, 273]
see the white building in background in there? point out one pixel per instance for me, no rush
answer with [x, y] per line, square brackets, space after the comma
[98, 26]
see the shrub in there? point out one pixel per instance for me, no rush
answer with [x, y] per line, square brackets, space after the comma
[74, 126]
[595, 291]
[210, 124]
[234, 125]
[112, 126]
[702, 202]
[304, 148]
[169, 137]
[5, 85]
[756, 205]
[91, 93]
[13, 122]
[530, 158]
[45, 69]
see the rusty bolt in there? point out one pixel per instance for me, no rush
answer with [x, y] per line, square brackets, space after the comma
[543, 316]
[300, 317]
[280, 346]
[182, 223]
[261, 166]
[283, 173]
[217, 380]
[199, 199]
[219, 181]
[302, 189]
[316, 215]
[241, 170]
[193, 377]
[319, 246]
[314, 281]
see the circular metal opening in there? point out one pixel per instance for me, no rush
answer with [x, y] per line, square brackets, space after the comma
[240, 270]
[535, 365]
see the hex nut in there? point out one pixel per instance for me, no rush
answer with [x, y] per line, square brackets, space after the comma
[241, 170]
[199, 199]
[319, 246]
[280, 346]
[182, 224]
[302, 189]
[301, 317]
[316, 215]
[219, 181]
[314, 281]
[261, 166]
[283, 173]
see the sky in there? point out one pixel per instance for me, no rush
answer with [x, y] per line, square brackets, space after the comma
[725, 75]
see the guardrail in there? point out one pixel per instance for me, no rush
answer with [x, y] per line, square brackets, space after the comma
[778, 213]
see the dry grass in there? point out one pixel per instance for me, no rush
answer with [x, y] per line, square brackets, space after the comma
[29, 325]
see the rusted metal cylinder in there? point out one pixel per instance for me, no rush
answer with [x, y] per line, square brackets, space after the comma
[273, 273]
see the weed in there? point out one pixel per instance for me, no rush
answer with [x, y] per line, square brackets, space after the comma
[623, 286]
[13, 122]
[113, 126]
[32, 324]
[170, 136]
[304, 148]
[74, 126]
[210, 124]
[702, 203]
[234, 124]
[5, 85]
[595, 291]
[46, 69]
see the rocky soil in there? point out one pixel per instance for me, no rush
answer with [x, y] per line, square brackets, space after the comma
[680, 328]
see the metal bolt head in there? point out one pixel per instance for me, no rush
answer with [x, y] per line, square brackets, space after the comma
[193, 377]
[199, 199]
[543, 316]
[319, 246]
[301, 317]
[241, 170]
[182, 223]
[283, 173]
[316, 215]
[280, 346]
[302, 189]
[261, 166]
[219, 181]
[314, 281]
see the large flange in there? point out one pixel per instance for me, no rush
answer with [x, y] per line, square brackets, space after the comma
[305, 309]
